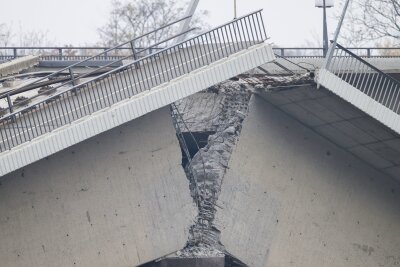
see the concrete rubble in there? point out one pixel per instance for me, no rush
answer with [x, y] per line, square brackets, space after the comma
[220, 109]
[225, 107]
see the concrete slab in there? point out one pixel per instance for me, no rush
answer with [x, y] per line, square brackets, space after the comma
[275, 97]
[118, 199]
[339, 106]
[320, 110]
[18, 65]
[333, 134]
[394, 143]
[369, 156]
[354, 132]
[292, 198]
[373, 128]
[393, 171]
[303, 115]
[386, 152]
[354, 129]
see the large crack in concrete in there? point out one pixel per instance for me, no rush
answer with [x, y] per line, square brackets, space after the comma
[220, 109]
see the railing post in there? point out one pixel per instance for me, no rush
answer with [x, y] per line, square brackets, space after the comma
[60, 54]
[15, 53]
[134, 54]
[282, 52]
[71, 73]
[10, 106]
[105, 54]
[368, 52]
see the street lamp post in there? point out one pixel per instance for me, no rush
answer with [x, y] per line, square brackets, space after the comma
[324, 4]
[234, 10]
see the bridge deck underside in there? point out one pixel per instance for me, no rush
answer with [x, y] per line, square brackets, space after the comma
[343, 124]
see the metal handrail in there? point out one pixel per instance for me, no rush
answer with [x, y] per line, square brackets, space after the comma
[126, 81]
[296, 51]
[367, 63]
[365, 77]
[367, 52]
[86, 74]
[113, 48]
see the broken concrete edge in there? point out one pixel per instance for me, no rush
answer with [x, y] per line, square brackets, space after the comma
[18, 65]
[206, 170]
[209, 172]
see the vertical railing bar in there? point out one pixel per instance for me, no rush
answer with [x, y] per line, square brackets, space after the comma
[165, 67]
[245, 34]
[104, 87]
[391, 95]
[154, 74]
[397, 102]
[215, 46]
[210, 49]
[363, 74]
[372, 83]
[376, 84]
[236, 37]
[180, 51]
[223, 44]
[232, 36]
[187, 62]
[251, 30]
[175, 60]
[255, 29]
[353, 71]
[201, 52]
[341, 59]
[130, 89]
[381, 91]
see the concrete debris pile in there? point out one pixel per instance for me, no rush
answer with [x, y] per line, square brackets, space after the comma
[229, 106]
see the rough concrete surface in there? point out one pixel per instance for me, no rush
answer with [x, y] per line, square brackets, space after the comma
[118, 199]
[225, 114]
[201, 111]
[17, 65]
[292, 198]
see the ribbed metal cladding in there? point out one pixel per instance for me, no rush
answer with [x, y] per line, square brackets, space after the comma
[134, 107]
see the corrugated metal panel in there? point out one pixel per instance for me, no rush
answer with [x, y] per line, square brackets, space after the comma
[134, 107]
[359, 99]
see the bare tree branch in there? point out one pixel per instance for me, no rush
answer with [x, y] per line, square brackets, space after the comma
[372, 20]
[129, 19]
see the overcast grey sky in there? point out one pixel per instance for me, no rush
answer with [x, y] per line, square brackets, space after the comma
[288, 22]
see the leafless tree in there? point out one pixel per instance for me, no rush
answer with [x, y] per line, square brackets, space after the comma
[129, 19]
[5, 34]
[372, 21]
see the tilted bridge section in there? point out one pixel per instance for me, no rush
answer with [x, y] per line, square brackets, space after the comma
[68, 114]
[363, 85]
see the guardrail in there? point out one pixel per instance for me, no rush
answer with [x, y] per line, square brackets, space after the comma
[131, 54]
[68, 53]
[368, 52]
[82, 53]
[365, 77]
[70, 104]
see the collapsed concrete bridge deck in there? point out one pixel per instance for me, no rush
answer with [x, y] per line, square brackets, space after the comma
[290, 195]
